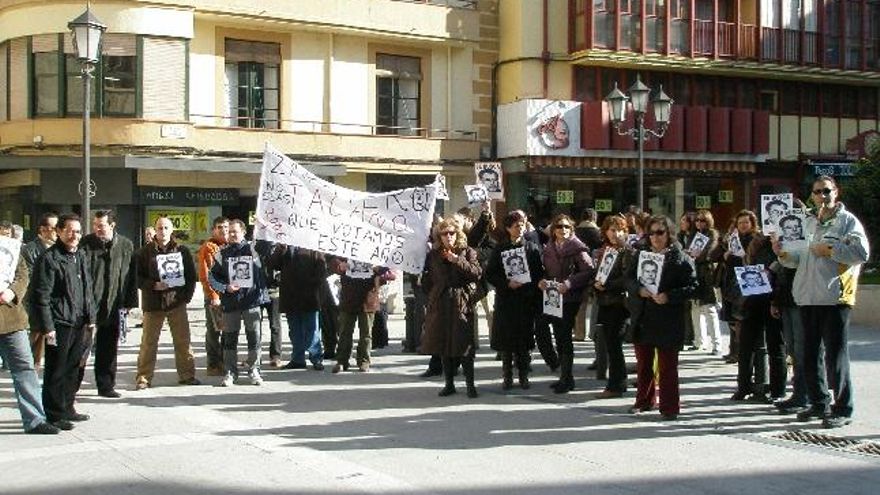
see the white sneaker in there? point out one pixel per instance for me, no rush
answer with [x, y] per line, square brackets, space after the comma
[228, 380]
[256, 379]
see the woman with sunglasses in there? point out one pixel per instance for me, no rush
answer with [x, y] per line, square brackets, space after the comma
[659, 320]
[516, 304]
[611, 299]
[707, 326]
[452, 272]
[566, 260]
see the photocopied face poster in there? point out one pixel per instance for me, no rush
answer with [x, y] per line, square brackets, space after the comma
[241, 271]
[358, 269]
[605, 266]
[171, 269]
[490, 176]
[476, 194]
[515, 266]
[773, 208]
[791, 230]
[649, 270]
[9, 251]
[442, 192]
[752, 280]
[552, 299]
[734, 245]
[698, 244]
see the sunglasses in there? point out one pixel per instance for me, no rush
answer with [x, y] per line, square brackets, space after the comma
[563, 226]
[700, 220]
[825, 191]
[658, 232]
[449, 232]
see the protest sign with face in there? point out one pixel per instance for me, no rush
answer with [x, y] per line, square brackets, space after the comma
[490, 175]
[515, 266]
[735, 246]
[605, 266]
[358, 269]
[241, 271]
[171, 269]
[442, 192]
[552, 299]
[649, 270]
[698, 244]
[792, 230]
[752, 280]
[773, 208]
[476, 194]
[9, 251]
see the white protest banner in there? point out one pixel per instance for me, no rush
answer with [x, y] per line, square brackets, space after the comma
[9, 251]
[171, 269]
[774, 207]
[476, 194]
[649, 270]
[552, 299]
[752, 280]
[605, 266]
[515, 266]
[489, 174]
[442, 192]
[241, 271]
[297, 208]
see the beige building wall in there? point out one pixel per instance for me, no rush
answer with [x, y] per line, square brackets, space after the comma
[203, 68]
[311, 56]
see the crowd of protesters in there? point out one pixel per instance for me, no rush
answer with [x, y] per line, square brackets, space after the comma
[71, 294]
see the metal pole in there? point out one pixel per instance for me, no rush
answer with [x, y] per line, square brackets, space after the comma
[640, 137]
[87, 156]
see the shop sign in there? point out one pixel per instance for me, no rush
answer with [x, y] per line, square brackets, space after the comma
[725, 196]
[180, 220]
[703, 202]
[603, 205]
[564, 197]
[834, 169]
[188, 196]
[252, 217]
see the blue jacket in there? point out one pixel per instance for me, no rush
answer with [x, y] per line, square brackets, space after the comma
[244, 298]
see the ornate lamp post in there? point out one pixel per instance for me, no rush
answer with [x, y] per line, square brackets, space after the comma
[638, 98]
[87, 31]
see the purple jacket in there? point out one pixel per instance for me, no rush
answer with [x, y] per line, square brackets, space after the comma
[569, 263]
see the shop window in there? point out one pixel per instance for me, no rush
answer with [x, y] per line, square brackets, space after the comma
[398, 94]
[830, 101]
[114, 88]
[868, 103]
[791, 100]
[849, 102]
[809, 99]
[252, 81]
[769, 100]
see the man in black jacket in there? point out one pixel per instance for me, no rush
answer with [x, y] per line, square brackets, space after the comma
[65, 311]
[111, 258]
[31, 251]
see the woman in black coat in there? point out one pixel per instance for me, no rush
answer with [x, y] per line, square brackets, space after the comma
[659, 320]
[452, 272]
[611, 299]
[516, 303]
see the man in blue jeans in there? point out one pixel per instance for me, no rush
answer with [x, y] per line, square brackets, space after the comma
[303, 271]
[15, 348]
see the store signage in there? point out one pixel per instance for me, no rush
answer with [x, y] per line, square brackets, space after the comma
[703, 202]
[725, 196]
[603, 205]
[564, 197]
[188, 196]
[834, 169]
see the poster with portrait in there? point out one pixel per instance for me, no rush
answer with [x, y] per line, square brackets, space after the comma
[698, 244]
[552, 299]
[515, 265]
[734, 245]
[632, 239]
[9, 251]
[489, 174]
[359, 269]
[649, 270]
[752, 280]
[442, 192]
[792, 230]
[241, 271]
[171, 269]
[476, 194]
[606, 264]
[773, 208]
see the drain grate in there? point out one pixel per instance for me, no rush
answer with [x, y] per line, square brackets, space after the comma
[829, 441]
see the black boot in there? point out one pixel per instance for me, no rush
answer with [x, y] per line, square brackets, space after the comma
[523, 368]
[506, 371]
[467, 366]
[566, 379]
[449, 366]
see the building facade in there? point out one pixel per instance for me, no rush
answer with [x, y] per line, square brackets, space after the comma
[372, 94]
[768, 94]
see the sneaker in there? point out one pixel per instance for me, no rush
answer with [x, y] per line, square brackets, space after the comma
[44, 429]
[835, 421]
[189, 381]
[364, 367]
[227, 380]
[255, 377]
[813, 413]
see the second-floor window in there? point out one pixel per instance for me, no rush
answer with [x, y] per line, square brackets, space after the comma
[252, 84]
[56, 77]
[398, 94]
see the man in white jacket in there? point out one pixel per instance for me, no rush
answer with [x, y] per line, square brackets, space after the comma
[825, 289]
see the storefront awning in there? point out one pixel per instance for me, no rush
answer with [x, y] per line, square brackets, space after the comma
[589, 163]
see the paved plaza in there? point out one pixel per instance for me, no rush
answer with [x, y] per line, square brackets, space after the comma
[387, 432]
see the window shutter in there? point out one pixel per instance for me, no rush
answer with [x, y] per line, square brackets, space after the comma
[44, 43]
[164, 79]
[4, 85]
[252, 51]
[18, 79]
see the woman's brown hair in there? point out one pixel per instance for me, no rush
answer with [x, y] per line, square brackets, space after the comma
[444, 225]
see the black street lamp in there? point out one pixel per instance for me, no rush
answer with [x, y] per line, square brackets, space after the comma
[87, 31]
[638, 98]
